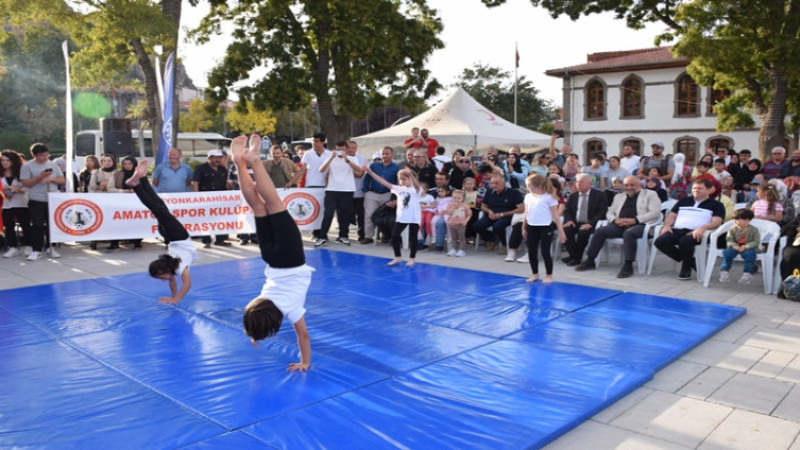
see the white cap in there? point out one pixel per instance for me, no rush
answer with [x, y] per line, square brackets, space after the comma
[214, 153]
[377, 155]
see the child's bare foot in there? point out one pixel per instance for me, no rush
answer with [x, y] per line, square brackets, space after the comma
[533, 278]
[238, 147]
[547, 279]
[410, 262]
[252, 156]
[140, 172]
[395, 262]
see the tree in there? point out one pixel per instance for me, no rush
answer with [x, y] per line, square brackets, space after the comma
[198, 117]
[494, 88]
[245, 118]
[31, 80]
[349, 55]
[747, 46]
[111, 36]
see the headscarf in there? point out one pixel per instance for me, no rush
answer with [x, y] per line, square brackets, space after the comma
[126, 174]
[780, 187]
[113, 163]
[679, 159]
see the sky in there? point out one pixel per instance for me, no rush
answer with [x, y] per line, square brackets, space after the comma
[474, 33]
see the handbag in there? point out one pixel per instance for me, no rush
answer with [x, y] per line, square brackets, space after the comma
[791, 286]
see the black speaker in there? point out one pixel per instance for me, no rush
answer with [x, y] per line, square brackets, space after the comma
[117, 139]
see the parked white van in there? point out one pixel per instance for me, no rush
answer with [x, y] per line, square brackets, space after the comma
[193, 145]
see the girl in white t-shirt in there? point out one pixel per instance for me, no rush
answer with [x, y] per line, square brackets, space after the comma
[283, 294]
[408, 211]
[541, 211]
[181, 252]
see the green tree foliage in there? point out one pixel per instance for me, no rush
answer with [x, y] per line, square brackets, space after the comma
[110, 37]
[747, 46]
[350, 55]
[245, 118]
[494, 88]
[198, 118]
[32, 84]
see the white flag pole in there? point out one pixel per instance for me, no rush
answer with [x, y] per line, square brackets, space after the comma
[68, 131]
[516, 69]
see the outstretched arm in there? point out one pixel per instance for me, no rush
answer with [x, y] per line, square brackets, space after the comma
[377, 177]
[177, 295]
[304, 343]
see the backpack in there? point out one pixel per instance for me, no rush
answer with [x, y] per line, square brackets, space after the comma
[664, 164]
[791, 286]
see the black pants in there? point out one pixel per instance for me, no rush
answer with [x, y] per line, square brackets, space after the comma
[168, 226]
[515, 240]
[38, 213]
[341, 203]
[397, 238]
[679, 245]
[540, 236]
[358, 215]
[12, 217]
[577, 240]
[629, 236]
[279, 241]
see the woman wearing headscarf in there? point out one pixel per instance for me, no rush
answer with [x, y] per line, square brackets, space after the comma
[129, 164]
[743, 177]
[681, 184]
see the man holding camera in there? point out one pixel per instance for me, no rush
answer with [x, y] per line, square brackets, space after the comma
[40, 176]
[342, 171]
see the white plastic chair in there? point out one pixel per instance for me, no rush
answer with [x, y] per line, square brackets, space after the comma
[642, 244]
[770, 234]
[776, 268]
[478, 236]
[700, 252]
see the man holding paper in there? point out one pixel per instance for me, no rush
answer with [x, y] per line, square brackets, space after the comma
[685, 224]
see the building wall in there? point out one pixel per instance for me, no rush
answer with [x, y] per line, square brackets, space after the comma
[659, 122]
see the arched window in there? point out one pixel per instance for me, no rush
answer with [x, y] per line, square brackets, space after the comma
[595, 100]
[632, 98]
[687, 103]
[593, 146]
[716, 96]
[688, 146]
[636, 145]
[719, 142]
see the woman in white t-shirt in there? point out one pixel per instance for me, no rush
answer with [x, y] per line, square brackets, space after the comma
[541, 211]
[409, 213]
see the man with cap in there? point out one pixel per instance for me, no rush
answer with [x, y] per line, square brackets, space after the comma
[664, 164]
[376, 194]
[212, 176]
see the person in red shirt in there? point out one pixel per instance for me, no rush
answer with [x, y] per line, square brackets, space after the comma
[431, 143]
[415, 141]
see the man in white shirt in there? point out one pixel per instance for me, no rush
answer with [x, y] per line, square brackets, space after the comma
[311, 162]
[628, 159]
[341, 170]
[358, 195]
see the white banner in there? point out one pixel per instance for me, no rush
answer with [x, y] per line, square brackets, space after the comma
[96, 217]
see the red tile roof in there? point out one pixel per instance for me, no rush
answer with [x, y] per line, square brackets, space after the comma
[641, 59]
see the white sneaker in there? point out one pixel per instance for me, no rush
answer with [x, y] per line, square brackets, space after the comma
[35, 256]
[746, 278]
[27, 250]
[11, 252]
[320, 242]
[523, 259]
[344, 241]
[724, 276]
[511, 256]
[54, 253]
[452, 252]
[461, 253]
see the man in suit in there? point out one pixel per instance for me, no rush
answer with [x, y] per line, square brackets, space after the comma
[627, 216]
[584, 208]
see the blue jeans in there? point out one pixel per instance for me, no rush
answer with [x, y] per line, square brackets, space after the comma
[441, 232]
[748, 255]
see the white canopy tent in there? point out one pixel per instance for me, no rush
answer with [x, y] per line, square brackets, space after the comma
[458, 121]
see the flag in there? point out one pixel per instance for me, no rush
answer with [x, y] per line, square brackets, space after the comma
[68, 109]
[516, 51]
[166, 112]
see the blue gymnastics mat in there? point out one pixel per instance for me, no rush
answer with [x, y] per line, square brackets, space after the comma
[428, 357]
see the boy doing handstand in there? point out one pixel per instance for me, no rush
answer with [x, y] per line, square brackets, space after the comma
[288, 276]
